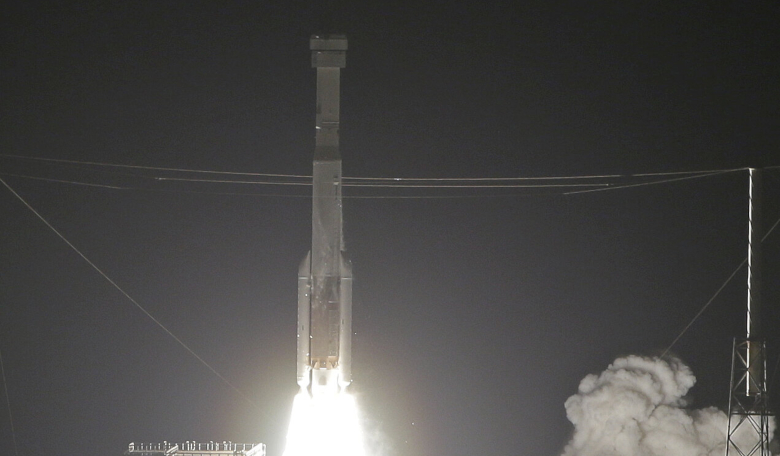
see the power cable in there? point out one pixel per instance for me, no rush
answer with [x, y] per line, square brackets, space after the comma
[672, 173]
[269, 195]
[595, 176]
[605, 176]
[696, 317]
[151, 168]
[601, 186]
[228, 181]
[346, 184]
[397, 179]
[664, 181]
[474, 186]
[130, 298]
[8, 402]
[62, 181]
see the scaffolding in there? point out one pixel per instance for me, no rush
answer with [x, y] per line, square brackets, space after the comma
[749, 414]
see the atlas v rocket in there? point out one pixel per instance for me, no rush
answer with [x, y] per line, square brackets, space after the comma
[325, 275]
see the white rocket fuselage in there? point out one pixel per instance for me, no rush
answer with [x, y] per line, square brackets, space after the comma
[325, 275]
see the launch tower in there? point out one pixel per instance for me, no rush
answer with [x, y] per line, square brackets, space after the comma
[748, 400]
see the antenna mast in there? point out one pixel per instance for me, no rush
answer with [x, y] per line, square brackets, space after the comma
[748, 432]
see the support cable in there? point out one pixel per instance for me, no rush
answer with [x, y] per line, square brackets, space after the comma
[150, 168]
[696, 317]
[130, 298]
[62, 181]
[664, 181]
[773, 377]
[8, 402]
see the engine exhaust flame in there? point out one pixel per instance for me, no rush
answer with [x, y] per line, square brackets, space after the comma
[325, 424]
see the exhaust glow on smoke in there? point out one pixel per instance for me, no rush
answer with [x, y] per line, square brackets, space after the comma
[324, 424]
[637, 407]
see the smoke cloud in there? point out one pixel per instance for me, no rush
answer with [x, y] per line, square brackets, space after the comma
[637, 407]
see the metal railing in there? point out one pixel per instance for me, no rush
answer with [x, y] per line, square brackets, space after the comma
[193, 448]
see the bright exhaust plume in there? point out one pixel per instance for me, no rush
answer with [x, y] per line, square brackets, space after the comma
[325, 425]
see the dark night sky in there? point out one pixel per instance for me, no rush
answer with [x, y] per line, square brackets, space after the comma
[476, 316]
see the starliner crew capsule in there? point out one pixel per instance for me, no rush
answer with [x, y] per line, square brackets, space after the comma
[325, 275]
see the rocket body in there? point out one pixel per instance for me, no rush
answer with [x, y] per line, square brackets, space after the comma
[325, 275]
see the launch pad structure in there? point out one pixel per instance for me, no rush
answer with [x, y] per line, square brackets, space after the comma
[192, 448]
[749, 412]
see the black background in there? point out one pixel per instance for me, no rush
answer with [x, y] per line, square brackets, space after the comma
[476, 316]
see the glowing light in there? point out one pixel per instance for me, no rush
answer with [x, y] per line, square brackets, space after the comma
[325, 425]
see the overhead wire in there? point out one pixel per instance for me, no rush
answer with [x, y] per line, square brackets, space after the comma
[360, 178]
[404, 182]
[400, 183]
[150, 168]
[598, 186]
[466, 179]
[127, 295]
[346, 184]
[475, 186]
[63, 181]
[270, 195]
[672, 173]
[227, 181]
[664, 181]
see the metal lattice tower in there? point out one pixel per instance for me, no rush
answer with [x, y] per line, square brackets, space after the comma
[749, 415]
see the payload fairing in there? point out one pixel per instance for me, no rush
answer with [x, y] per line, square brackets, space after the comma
[325, 275]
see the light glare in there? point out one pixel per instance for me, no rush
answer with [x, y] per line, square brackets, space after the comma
[324, 424]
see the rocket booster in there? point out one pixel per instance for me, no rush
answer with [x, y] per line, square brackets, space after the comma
[325, 275]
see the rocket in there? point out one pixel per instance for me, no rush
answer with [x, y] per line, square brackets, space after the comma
[325, 274]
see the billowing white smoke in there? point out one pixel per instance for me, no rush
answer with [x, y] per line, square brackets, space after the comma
[637, 408]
